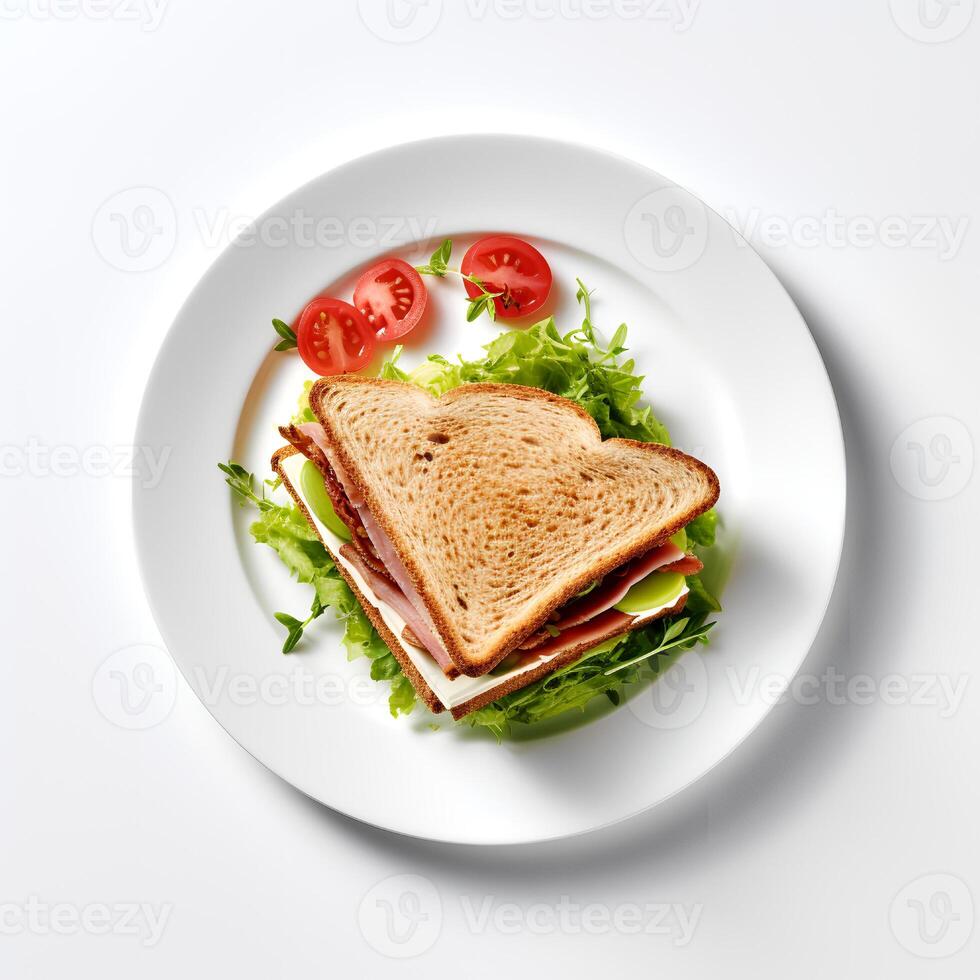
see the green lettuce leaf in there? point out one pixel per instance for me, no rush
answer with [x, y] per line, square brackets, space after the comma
[701, 531]
[609, 669]
[700, 600]
[283, 528]
[303, 411]
[574, 366]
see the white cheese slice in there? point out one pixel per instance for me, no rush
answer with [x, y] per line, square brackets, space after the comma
[451, 693]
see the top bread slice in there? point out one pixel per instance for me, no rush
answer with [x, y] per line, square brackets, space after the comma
[503, 502]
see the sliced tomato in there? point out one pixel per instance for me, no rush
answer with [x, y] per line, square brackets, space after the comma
[333, 337]
[392, 296]
[511, 267]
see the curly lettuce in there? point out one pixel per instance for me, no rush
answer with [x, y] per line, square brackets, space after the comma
[283, 528]
[574, 365]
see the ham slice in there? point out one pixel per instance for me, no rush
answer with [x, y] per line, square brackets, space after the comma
[314, 431]
[388, 592]
[308, 439]
[381, 542]
[607, 623]
[396, 569]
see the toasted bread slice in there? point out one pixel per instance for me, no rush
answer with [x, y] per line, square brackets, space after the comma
[502, 502]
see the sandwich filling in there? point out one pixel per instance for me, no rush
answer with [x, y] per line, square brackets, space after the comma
[593, 615]
[371, 550]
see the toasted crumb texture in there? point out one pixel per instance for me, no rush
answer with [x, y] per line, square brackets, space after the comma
[502, 502]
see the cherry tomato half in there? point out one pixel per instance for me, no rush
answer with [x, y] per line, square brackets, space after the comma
[512, 267]
[392, 296]
[333, 338]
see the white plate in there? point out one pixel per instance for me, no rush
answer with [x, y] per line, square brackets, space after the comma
[730, 367]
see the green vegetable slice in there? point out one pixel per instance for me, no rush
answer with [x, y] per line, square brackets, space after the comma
[315, 492]
[657, 589]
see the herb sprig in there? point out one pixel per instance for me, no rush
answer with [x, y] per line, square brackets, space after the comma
[287, 333]
[243, 483]
[295, 627]
[677, 634]
[438, 265]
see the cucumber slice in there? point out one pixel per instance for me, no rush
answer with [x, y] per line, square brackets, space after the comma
[315, 493]
[656, 590]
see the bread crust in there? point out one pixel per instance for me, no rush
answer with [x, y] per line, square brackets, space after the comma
[516, 635]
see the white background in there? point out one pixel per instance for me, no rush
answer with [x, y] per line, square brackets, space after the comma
[843, 142]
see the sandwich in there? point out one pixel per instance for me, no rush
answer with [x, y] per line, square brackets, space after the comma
[491, 535]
